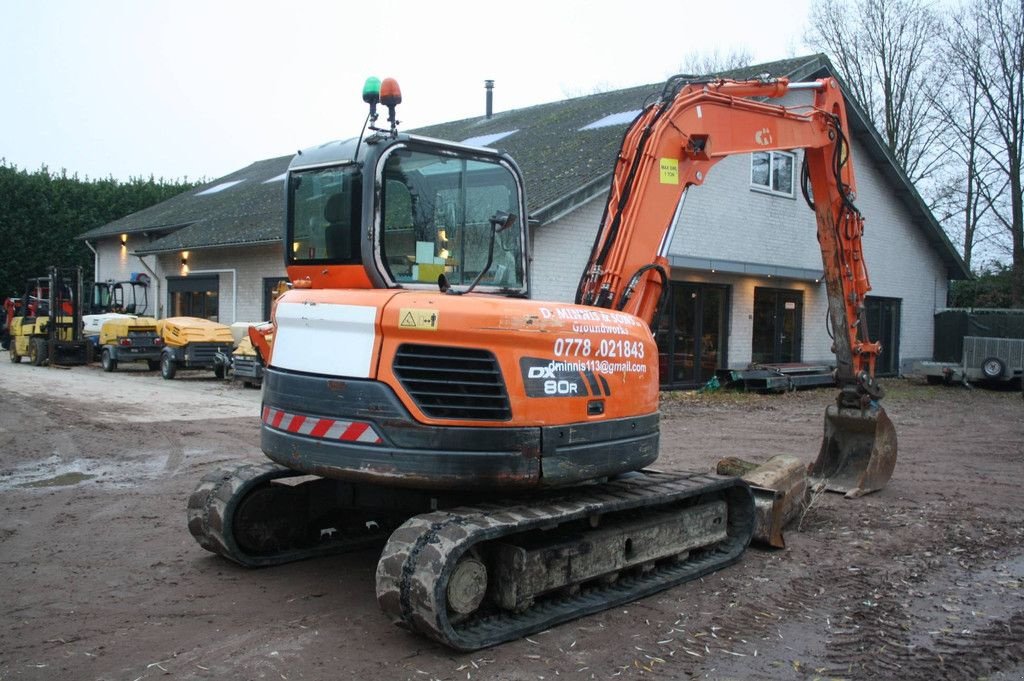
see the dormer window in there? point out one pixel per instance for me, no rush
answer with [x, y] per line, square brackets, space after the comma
[772, 171]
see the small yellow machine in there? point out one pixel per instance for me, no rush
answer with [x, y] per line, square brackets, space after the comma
[130, 339]
[244, 363]
[192, 343]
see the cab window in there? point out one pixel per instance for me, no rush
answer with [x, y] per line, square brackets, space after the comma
[325, 215]
[436, 212]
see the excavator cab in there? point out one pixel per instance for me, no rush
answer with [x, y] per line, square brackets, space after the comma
[404, 212]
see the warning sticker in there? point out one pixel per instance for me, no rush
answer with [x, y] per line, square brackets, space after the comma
[419, 319]
[669, 170]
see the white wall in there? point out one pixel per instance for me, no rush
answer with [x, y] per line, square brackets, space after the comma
[250, 263]
[901, 264]
[115, 262]
[724, 218]
[560, 251]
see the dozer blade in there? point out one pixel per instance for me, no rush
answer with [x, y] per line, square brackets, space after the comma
[858, 451]
[780, 493]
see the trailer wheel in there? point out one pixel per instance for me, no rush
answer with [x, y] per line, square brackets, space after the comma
[993, 367]
[167, 367]
[37, 352]
[15, 357]
[108, 362]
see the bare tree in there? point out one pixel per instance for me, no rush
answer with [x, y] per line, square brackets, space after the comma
[710, 63]
[884, 51]
[988, 40]
[600, 87]
[695, 63]
[959, 196]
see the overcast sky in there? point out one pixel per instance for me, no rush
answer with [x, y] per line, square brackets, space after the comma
[201, 88]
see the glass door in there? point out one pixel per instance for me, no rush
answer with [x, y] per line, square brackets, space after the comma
[692, 334]
[883, 318]
[778, 321]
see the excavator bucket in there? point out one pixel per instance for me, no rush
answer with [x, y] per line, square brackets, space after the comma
[858, 451]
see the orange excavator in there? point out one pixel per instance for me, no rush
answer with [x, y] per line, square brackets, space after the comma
[415, 395]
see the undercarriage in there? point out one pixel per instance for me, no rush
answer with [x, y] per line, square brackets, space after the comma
[470, 572]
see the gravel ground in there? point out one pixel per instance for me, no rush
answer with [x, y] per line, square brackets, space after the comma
[101, 579]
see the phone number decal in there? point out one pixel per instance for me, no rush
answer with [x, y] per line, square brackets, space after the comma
[610, 349]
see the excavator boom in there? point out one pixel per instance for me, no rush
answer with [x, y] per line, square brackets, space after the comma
[671, 146]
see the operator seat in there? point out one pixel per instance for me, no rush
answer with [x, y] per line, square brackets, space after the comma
[338, 234]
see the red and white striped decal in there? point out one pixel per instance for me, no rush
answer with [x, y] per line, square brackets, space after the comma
[327, 429]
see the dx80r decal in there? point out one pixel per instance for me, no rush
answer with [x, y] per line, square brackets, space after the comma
[557, 378]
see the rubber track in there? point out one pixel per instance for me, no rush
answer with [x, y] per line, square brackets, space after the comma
[412, 575]
[212, 505]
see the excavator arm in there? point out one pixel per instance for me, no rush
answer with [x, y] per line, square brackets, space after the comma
[671, 146]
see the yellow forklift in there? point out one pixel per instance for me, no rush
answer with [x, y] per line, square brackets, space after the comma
[47, 325]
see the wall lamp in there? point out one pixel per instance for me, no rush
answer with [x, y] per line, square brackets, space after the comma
[184, 259]
[124, 240]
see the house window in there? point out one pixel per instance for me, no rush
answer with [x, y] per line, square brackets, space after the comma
[772, 171]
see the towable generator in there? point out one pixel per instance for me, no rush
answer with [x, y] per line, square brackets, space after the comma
[496, 445]
[245, 363]
[192, 343]
[127, 338]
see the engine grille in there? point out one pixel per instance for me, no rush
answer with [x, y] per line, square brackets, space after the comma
[203, 353]
[246, 367]
[453, 383]
[144, 340]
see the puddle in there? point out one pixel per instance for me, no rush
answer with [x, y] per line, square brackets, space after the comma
[964, 602]
[62, 480]
[54, 472]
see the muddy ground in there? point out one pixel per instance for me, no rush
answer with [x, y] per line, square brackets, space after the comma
[99, 578]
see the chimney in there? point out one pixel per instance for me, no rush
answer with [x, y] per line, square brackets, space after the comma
[489, 86]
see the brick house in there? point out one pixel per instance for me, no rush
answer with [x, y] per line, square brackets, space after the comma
[746, 268]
